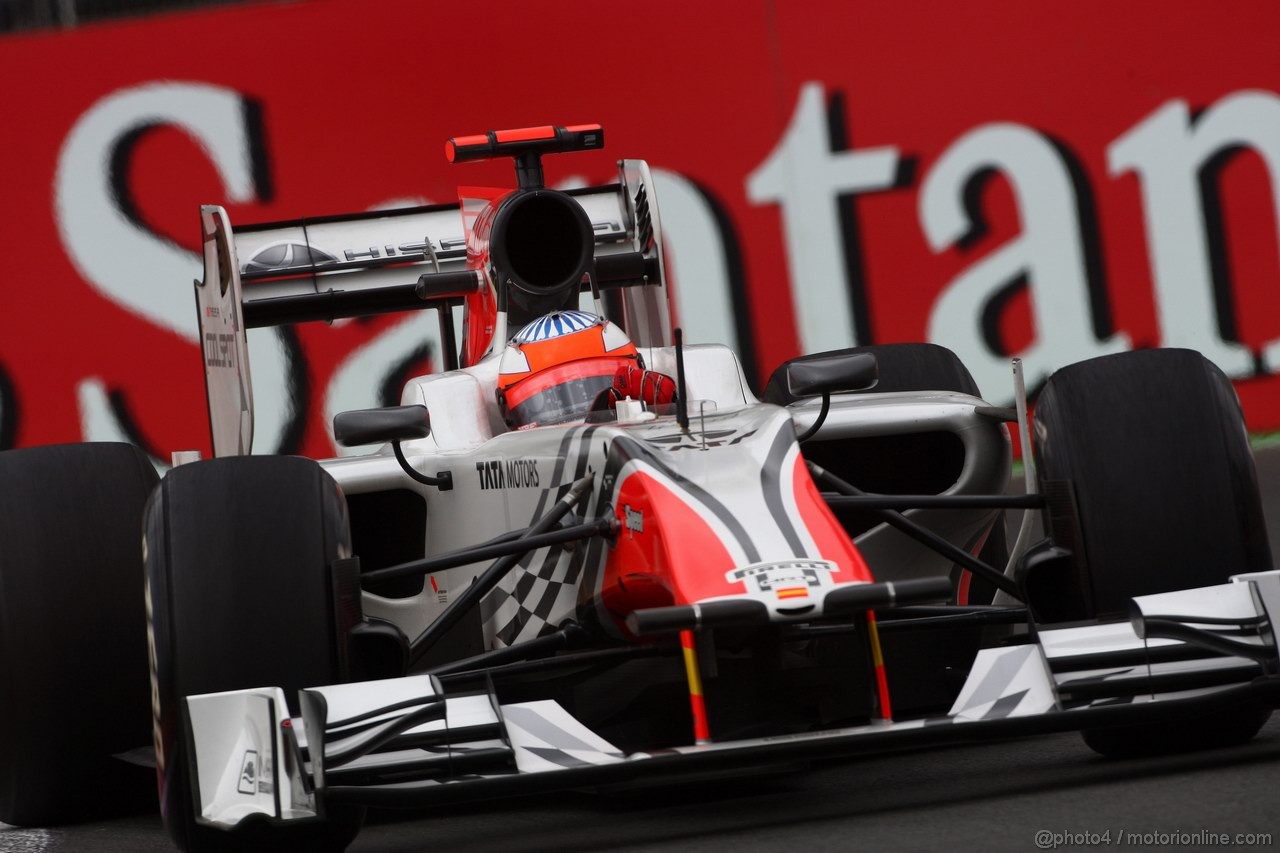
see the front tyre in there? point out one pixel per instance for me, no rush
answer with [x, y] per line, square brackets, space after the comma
[1154, 445]
[238, 563]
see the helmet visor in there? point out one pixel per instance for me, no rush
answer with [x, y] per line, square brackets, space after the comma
[561, 394]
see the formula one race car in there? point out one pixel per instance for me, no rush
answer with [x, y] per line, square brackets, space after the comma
[586, 554]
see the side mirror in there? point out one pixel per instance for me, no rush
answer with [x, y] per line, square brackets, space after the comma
[852, 371]
[855, 371]
[394, 424]
[375, 426]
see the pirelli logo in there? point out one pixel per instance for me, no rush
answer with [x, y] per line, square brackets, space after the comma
[786, 578]
[799, 566]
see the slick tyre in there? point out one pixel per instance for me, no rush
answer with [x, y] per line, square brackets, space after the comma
[73, 678]
[238, 556]
[1153, 445]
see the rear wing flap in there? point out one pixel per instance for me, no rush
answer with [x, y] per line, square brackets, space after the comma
[361, 264]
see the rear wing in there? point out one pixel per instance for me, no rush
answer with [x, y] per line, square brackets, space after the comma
[362, 264]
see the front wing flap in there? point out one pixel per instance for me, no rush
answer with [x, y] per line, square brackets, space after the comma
[403, 743]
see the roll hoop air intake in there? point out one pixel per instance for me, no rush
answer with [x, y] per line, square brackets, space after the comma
[541, 243]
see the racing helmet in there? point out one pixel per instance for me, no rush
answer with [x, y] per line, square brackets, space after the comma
[555, 367]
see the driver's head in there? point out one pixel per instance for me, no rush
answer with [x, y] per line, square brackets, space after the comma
[553, 369]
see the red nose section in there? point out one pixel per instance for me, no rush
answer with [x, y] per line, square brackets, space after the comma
[833, 542]
[674, 551]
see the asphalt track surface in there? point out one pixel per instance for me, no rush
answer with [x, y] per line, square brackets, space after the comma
[1048, 792]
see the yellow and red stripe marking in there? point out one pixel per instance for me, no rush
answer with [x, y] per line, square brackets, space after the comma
[794, 592]
[877, 659]
[697, 704]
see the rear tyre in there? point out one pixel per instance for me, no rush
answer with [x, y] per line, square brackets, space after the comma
[238, 568]
[72, 633]
[1154, 446]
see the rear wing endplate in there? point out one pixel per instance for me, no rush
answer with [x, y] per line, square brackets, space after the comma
[222, 336]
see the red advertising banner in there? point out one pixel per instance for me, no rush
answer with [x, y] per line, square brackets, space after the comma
[1004, 179]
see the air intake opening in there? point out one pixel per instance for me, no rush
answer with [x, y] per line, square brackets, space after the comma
[388, 528]
[543, 241]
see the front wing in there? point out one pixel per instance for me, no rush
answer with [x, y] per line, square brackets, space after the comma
[403, 743]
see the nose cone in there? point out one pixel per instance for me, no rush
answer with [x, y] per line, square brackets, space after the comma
[732, 513]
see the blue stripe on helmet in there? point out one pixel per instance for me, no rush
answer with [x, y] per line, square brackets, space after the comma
[555, 325]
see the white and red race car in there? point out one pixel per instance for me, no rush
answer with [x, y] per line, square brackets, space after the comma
[691, 581]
